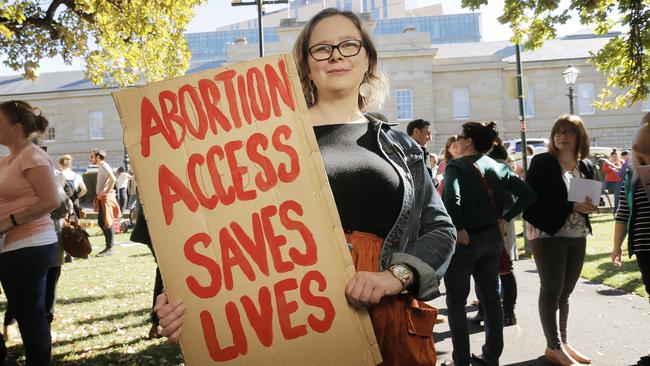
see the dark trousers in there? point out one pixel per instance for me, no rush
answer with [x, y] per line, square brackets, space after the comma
[51, 280]
[23, 273]
[480, 259]
[643, 260]
[109, 234]
[615, 189]
[559, 263]
[122, 198]
[158, 287]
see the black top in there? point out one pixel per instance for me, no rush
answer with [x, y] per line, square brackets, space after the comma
[367, 190]
[551, 209]
[640, 230]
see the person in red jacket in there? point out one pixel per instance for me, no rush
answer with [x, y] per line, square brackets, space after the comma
[612, 183]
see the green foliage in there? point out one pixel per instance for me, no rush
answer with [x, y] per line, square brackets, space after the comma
[624, 59]
[122, 41]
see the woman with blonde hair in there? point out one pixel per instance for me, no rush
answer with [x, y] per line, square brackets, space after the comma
[399, 231]
[558, 229]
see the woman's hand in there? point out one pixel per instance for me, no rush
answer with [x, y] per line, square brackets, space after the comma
[616, 256]
[368, 288]
[170, 318]
[462, 237]
[585, 207]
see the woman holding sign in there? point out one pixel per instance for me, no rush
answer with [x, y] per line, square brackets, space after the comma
[28, 192]
[398, 231]
[558, 230]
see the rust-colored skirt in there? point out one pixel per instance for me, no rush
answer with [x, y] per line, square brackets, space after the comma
[403, 325]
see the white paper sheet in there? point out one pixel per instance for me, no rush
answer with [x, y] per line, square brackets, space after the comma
[581, 188]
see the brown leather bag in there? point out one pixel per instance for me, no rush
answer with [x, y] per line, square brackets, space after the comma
[74, 238]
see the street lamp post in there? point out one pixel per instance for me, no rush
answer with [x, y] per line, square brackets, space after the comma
[259, 3]
[570, 75]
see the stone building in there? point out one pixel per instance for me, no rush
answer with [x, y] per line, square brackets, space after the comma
[444, 83]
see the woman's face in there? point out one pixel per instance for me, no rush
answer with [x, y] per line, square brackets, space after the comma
[454, 149]
[337, 74]
[9, 131]
[565, 140]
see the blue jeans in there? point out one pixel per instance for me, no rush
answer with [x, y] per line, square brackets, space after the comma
[480, 259]
[615, 189]
[22, 273]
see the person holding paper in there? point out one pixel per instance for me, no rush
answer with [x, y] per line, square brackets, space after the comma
[399, 233]
[28, 192]
[474, 195]
[633, 217]
[558, 228]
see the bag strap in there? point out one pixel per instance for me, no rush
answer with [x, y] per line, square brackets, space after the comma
[487, 187]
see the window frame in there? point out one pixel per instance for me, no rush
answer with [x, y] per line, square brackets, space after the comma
[454, 103]
[90, 125]
[46, 135]
[399, 102]
[592, 109]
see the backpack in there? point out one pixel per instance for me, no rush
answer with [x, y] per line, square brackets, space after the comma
[70, 190]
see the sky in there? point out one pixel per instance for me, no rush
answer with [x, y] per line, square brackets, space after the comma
[217, 13]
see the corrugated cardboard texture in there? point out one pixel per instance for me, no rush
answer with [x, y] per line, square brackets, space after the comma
[234, 188]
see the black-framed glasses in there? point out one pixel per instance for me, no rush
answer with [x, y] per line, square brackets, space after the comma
[347, 48]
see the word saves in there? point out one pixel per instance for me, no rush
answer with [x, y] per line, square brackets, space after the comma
[293, 317]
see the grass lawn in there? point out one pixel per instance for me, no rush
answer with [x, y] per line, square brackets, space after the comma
[598, 266]
[102, 312]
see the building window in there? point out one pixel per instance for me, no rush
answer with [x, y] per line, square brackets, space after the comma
[96, 125]
[529, 103]
[460, 98]
[347, 5]
[404, 103]
[586, 98]
[50, 134]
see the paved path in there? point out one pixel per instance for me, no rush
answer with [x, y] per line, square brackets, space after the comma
[610, 326]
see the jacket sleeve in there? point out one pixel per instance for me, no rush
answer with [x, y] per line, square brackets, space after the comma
[524, 193]
[429, 254]
[546, 202]
[452, 196]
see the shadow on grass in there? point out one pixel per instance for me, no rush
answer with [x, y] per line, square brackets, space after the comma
[115, 316]
[86, 299]
[100, 335]
[608, 270]
[158, 354]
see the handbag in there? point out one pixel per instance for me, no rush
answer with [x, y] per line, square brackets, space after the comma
[74, 238]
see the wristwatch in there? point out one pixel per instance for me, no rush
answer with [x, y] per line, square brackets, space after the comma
[403, 274]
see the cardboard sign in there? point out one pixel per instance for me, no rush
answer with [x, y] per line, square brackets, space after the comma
[242, 218]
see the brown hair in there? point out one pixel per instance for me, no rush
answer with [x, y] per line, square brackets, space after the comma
[301, 54]
[448, 144]
[21, 112]
[571, 123]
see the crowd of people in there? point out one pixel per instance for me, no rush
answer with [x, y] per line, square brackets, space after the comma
[412, 219]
